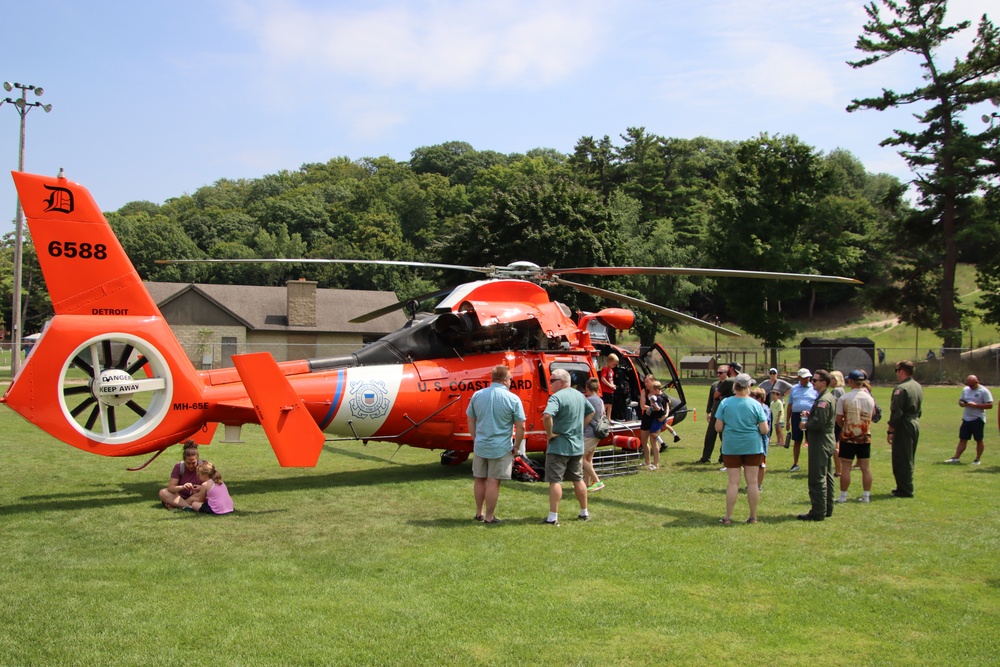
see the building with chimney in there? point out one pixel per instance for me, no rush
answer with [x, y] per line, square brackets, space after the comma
[297, 321]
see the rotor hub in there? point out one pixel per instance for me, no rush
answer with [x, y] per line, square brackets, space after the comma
[114, 387]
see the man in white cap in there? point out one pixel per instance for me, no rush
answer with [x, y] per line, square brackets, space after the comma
[774, 382]
[800, 399]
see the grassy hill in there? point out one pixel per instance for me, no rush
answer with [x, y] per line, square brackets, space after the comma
[847, 320]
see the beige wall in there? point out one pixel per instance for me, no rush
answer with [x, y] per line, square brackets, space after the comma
[275, 342]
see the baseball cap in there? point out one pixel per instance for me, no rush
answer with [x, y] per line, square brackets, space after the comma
[743, 380]
[772, 370]
[804, 373]
[736, 366]
[857, 375]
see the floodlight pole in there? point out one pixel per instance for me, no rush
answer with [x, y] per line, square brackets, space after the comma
[23, 106]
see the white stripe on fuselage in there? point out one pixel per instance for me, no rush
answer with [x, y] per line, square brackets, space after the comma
[368, 396]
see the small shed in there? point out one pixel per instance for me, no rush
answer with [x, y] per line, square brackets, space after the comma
[840, 354]
[702, 363]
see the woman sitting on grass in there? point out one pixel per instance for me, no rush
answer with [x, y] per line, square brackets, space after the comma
[212, 497]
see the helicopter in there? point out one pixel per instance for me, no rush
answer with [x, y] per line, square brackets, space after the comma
[108, 376]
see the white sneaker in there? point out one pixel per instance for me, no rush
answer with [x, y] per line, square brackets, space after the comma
[953, 460]
[723, 469]
[864, 499]
[840, 499]
[794, 468]
[976, 462]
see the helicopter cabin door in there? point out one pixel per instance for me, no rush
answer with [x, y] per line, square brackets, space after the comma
[658, 362]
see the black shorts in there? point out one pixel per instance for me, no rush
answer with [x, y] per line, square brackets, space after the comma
[645, 422]
[971, 429]
[849, 450]
[797, 433]
[608, 398]
[205, 509]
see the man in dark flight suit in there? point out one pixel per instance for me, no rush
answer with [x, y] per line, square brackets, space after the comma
[904, 428]
[822, 443]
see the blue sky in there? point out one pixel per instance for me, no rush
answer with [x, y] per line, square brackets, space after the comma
[152, 100]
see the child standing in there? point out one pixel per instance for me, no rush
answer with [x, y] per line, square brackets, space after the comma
[760, 395]
[778, 417]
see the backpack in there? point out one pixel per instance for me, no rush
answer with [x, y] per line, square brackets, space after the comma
[602, 428]
[526, 470]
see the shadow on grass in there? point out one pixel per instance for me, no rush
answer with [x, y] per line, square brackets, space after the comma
[126, 493]
[451, 522]
[235, 514]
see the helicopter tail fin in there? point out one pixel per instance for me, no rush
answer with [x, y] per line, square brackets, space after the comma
[107, 375]
[294, 436]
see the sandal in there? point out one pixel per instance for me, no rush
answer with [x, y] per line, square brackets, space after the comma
[726, 522]
[752, 519]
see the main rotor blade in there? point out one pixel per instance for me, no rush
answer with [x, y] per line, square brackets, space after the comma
[399, 305]
[615, 296]
[307, 260]
[711, 273]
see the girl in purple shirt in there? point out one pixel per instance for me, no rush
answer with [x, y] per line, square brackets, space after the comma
[212, 497]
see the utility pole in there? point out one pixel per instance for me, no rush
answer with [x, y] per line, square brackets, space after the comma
[23, 106]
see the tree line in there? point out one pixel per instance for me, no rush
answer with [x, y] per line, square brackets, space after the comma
[769, 203]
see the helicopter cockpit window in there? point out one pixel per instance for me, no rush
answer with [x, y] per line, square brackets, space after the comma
[579, 372]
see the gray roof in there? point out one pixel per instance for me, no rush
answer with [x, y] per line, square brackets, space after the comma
[266, 308]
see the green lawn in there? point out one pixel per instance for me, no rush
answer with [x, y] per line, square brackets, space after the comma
[366, 561]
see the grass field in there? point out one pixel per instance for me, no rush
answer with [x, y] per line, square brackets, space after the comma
[366, 561]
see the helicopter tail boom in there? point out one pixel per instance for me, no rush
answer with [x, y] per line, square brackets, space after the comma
[107, 375]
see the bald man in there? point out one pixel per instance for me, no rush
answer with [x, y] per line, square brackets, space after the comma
[976, 400]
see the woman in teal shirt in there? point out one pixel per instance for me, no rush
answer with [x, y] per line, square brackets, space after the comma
[742, 421]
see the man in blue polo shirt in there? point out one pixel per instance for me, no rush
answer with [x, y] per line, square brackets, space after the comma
[800, 399]
[493, 414]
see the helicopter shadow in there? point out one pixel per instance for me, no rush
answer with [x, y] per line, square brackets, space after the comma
[127, 493]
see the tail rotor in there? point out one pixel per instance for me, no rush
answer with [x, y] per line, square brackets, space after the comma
[115, 404]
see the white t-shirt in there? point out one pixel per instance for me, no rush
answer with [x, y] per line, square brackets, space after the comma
[978, 395]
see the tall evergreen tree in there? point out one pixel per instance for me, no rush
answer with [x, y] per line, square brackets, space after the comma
[950, 161]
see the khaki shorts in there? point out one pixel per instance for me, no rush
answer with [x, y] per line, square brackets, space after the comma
[590, 445]
[492, 468]
[563, 468]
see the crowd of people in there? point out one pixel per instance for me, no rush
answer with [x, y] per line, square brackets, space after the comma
[830, 414]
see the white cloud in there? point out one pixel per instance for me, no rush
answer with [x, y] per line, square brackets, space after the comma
[430, 45]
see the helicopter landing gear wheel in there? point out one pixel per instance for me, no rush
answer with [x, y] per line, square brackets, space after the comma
[450, 457]
[127, 393]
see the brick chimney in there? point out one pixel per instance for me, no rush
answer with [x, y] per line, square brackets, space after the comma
[301, 303]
